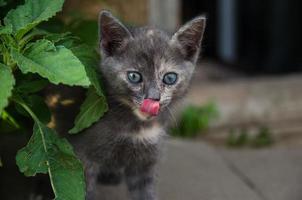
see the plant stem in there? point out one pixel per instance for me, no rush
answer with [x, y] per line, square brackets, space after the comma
[30, 112]
[38, 123]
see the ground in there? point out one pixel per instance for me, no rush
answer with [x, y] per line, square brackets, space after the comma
[196, 171]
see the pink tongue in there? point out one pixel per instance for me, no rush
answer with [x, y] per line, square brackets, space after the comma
[150, 106]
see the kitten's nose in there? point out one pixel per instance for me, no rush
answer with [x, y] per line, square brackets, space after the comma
[153, 94]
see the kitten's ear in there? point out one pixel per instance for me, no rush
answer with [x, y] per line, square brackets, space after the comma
[188, 38]
[113, 34]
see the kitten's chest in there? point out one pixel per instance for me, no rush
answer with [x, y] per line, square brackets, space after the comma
[137, 147]
[134, 154]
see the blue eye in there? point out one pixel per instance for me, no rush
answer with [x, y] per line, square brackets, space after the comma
[170, 78]
[134, 77]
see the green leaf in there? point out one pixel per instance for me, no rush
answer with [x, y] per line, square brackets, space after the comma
[7, 83]
[29, 87]
[35, 34]
[47, 152]
[57, 64]
[32, 158]
[29, 15]
[61, 38]
[6, 29]
[91, 111]
[86, 54]
[91, 61]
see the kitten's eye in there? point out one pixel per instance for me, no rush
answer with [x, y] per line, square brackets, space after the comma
[134, 77]
[170, 78]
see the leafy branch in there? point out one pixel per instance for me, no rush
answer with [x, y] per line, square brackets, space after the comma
[47, 152]
[30, 59]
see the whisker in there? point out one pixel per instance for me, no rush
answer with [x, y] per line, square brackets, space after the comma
[172, 117]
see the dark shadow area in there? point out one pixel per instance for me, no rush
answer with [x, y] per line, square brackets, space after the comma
[254, 36]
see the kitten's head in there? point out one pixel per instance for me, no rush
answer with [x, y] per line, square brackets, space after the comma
[146, 63]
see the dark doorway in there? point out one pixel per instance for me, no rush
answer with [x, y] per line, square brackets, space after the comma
[193, 8]
[267, 34]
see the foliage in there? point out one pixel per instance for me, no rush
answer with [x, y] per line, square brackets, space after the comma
[195, 119]
[92, 108]
[47, 152]
[30, 59]
[238, 140]
[7, 84]
[242, 138]
[87, 30]
[263, 138]
[2, 3]
[25, 17]
[42, 57]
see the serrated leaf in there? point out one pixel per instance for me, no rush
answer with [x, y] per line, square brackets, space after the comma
[91, 111]
[33, 12]
[36, 33]
[29, 87]
[47, 152]
[32, 159]
[6, 29]
[7, 83]
[60, 38]
[85, 53]
[57, 64]
[90, 59]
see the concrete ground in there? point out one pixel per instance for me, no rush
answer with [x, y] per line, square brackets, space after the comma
[196, 171]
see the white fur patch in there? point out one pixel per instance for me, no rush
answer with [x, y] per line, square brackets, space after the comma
[150, 135]
[140, 115]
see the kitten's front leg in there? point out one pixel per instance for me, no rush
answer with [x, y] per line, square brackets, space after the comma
[140, 183]
[91, 174]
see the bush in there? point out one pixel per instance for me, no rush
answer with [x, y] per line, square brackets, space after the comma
[243, 138]
[30, 59]
[195, 119]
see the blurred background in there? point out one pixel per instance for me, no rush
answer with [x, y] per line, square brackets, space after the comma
[248, 78]
[239, 133]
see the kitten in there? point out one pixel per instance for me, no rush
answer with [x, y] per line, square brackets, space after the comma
[145, 71]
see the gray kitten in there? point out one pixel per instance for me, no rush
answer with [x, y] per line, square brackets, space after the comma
[145, 71]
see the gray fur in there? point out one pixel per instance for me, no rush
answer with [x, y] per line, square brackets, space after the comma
[122, 142]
